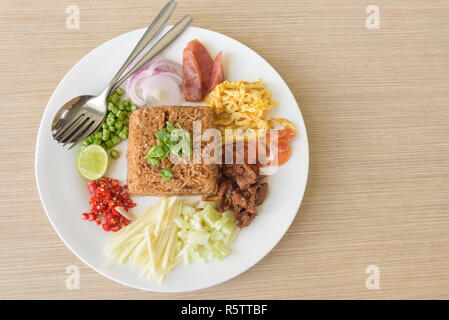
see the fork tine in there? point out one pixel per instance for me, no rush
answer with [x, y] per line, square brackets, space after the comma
[66, 137]
[67, 127]
[81, 132]
[91, 131]
[84, 136]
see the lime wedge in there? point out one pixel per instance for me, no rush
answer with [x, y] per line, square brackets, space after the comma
[92, 162]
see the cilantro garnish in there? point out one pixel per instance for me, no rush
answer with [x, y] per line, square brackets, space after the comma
[153, 162]
[171, 139]
[166, 174]
[169, 126]
[181, 138]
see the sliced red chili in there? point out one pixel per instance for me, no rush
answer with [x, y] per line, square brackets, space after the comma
[107, 194]
[92, 186]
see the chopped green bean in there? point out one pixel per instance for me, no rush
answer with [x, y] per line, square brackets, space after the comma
[119, 91]
[115, 154]
[119, 125]
[105, 136]
[115, 98]
[109, 144]
[115, 110]
[111, 128]
[110, 121]
[124, 133]
[115, 140]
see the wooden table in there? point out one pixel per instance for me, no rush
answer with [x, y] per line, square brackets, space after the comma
[376, 106]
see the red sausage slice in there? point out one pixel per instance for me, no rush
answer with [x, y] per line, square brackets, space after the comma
[217, 76]
[193, 87]
[204, 62]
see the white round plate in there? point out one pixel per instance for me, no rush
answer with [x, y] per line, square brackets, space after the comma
[64, 193]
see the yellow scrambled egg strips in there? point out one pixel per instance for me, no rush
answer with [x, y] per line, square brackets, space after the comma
[242, 105]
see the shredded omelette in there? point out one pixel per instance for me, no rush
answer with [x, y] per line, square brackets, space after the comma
[243, 105]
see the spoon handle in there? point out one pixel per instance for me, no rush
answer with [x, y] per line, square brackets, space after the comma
[153, 30]
[168, 38]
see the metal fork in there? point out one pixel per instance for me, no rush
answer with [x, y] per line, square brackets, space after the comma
[83, 115]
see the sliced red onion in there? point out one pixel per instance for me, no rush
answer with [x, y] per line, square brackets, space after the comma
[158, 83]
[165, 65]
[155, 90]
[176, 77]
[134, 91]
[161, 89]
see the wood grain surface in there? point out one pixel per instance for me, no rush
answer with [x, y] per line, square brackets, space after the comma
[376, 106]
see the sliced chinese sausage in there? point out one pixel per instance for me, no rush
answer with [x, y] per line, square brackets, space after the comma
[204, 62]
[217, 76]
[193, 88]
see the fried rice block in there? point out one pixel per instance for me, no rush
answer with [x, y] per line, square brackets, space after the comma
[188, 178]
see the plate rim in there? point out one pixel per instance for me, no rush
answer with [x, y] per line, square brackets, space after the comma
[275, 243]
